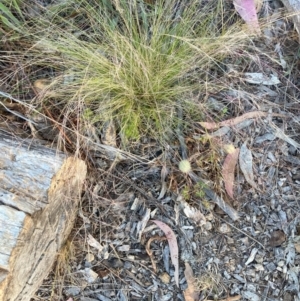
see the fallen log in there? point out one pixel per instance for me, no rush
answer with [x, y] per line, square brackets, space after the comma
[39, 194]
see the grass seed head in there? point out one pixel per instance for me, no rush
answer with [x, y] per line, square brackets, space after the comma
[185, 166]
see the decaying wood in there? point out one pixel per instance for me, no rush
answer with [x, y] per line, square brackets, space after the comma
[39, 193]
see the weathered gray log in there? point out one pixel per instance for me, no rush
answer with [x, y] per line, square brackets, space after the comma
[39, 193]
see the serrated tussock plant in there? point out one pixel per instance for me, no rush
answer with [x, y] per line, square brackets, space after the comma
[130, 61]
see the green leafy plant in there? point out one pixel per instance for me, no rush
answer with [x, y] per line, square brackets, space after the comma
[186, 193]
[199, 190]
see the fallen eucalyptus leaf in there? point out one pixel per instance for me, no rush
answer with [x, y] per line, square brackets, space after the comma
[246, 165]
[171, 237]
[190, 294]
[233, 121]
[247, 11]
[228, 170]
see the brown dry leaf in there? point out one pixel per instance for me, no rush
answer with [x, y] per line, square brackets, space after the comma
[150, 253]
[228, 169]
[103, 273]
[246, 165]
[192, 212]
[233, 121]
[232, 298]
[190, 294]
[277, 238]
[171, 237]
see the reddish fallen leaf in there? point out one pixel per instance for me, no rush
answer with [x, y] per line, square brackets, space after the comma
[246, 165]
[70, 299]
[247, 10]
[190, 294]
[233, 121]
[228, 170]
[171, 237]
[237, 120]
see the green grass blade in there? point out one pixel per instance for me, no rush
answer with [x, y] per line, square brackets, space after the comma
[8, 13]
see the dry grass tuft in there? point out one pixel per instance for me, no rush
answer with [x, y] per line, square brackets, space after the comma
[131, 62]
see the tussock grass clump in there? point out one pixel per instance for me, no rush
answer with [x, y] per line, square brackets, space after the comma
[130, 61]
